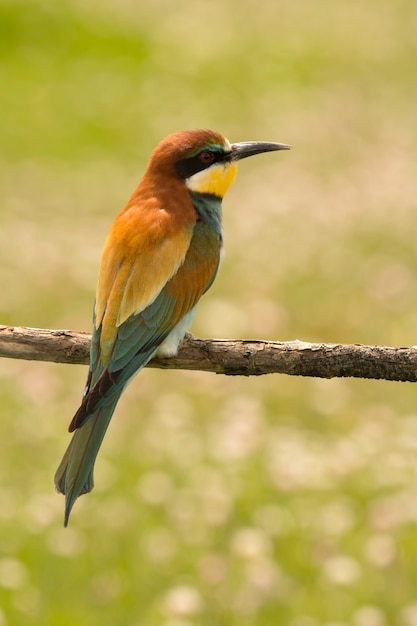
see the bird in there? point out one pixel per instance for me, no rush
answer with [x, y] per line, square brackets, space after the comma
[161, 255]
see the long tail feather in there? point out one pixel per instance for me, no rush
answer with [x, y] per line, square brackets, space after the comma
[74, 475]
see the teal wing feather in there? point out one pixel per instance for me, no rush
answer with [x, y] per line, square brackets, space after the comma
[136, 341]
[138, 337]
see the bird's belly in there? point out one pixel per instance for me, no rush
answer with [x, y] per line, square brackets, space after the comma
[170, 345]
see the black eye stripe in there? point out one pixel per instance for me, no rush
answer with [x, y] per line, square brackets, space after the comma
[188, 167]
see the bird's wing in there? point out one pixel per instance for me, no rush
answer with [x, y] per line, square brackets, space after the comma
[142, 252]
[137, 317]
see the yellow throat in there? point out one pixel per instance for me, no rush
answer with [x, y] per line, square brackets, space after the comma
[215, 180]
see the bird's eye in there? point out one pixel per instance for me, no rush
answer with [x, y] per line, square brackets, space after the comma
[206, 157]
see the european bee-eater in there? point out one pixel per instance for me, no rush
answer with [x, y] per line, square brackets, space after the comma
[160, 257]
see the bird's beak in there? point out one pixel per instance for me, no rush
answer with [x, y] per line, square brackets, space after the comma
[249, 148]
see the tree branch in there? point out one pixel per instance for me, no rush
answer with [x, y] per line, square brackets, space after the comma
[230, 357]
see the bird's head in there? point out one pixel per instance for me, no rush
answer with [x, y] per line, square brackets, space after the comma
[205, 160]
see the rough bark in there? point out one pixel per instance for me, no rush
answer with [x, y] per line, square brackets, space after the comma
[230, 357]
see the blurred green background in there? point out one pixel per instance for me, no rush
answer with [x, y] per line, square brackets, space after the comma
[273, 500]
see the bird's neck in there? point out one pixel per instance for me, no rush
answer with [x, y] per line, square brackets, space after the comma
[209, 209]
